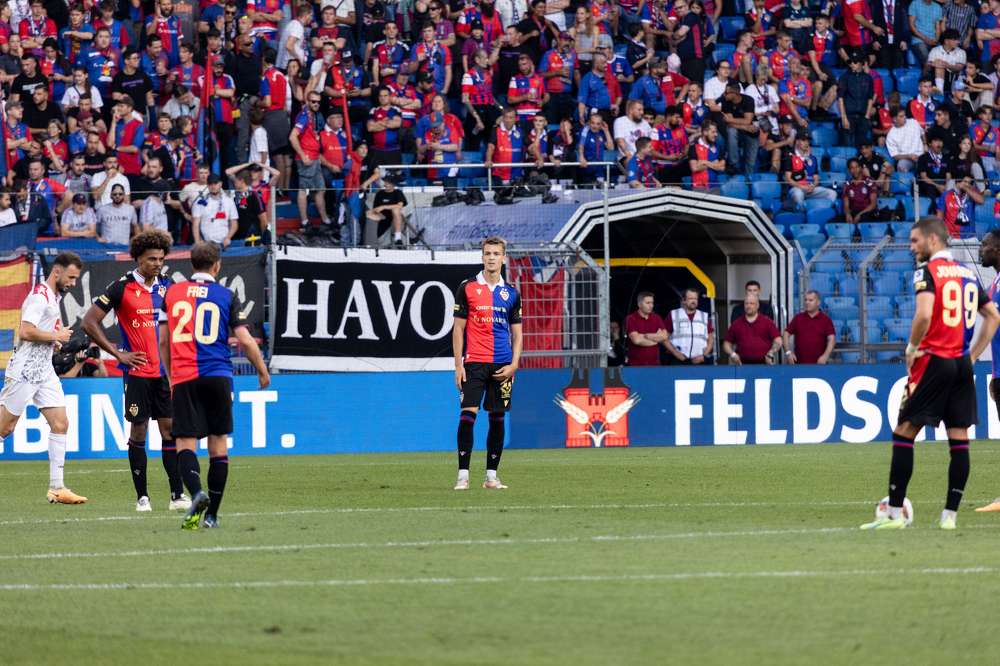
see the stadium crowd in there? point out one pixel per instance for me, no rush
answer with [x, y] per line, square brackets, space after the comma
[122, 116]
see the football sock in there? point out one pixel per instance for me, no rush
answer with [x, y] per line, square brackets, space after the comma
[958, 472]
[187, 463]
[169, 459]
[137, 463]
[900, 472]
[466, 422]
[494, 441]
[218, 472]
[57, 459]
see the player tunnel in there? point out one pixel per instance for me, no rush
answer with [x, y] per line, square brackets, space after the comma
[670, 239]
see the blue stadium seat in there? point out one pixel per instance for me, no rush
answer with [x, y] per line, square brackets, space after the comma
[899, 329]
[819, 152]
[984, 213]
[887, 284]
[902, 183]
[924, 206]
[872, 232]
[821, 215]
[730, 27]
[824, 283]
[723, 51]
[905, 307]
[790, 218]
[840, 231]
[901, 230]
[765, 190]
[838, 163]
[846, 152]
[889, 356]
[766, 177]
[983, 228]
[898, 259]
[850, 357]
[736, 189]
[878, 307]
[829, 262]
[841, 301]
[834, 178]
[823, 136]
[907, 81]
[851, 333]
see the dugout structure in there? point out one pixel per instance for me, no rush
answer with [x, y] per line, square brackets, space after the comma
[729, 240]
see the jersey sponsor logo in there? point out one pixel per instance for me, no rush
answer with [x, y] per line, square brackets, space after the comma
[596, 419]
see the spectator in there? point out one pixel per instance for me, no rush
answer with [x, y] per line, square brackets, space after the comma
[753, 338]
[978, 86]
[856, 103]
[215, 215]
[153, 195]
[932, 170]
[752, 288]
[985, 138]
[715, 87]
[960, 17]
[116, 220]
[958, 106]
[905, 141]
[647, 88]
[922, 107]
[956, 207]
[595, 140]
[557, 68]
[132, 82]
[965, 164]
[689, 40]
[251, 214]
[594, 93]
[79, 220]
[741, 130]
[926, 24]
[860, 194]
[387, 212]
[126, 137]
[305, 142]
[812, 332]
[616, 350]
[704, 161]
[801, 175]
[506, 146]
[781, 143]
[629, 128]
[874, 166]
[646, 331]
[766, 103]
[946, 60]
[111, 177]
[691, 334]
[527, 91]
[40, 112]
[8, 215]
[481, 111]
[292, 44]
[640, 170]
[55, 194]
[947, 131]
[891, 46]
[796, 93]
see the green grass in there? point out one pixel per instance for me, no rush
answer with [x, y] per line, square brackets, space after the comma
[727, 555]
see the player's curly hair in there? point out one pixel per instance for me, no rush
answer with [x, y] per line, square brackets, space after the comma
[154, 239]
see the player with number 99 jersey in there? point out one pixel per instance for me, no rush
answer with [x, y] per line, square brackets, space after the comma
[940, 386]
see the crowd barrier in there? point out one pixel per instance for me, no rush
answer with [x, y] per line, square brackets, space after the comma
[418, 411]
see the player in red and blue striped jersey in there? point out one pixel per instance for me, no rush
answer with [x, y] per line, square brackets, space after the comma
[939, 357]
[137, 298]
[195, 322]
[486, 341]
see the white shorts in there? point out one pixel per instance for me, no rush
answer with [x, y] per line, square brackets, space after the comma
[18, 394]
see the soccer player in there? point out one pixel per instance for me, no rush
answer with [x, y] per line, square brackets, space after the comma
[939, 361]
[30, 376]
[194, 345]
[136, 299]
[989, 256]
[486, 341]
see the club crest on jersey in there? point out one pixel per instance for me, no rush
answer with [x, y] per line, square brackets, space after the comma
[504, 294]
[596, 419]
[133, 410]
[161, 290]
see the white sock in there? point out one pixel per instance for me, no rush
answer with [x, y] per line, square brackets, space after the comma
[304, 223]
[463, 475]
[491, 475]
[397, 236]
[948, 514]
[940, 84]
[895, 512]
[57, 458]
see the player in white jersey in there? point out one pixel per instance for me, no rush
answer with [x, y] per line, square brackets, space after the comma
[30, 377]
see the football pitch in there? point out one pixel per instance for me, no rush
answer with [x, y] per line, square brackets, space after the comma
[714, 555]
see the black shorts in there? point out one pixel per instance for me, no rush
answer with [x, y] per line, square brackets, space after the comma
[146, 398]
[479, 380]
[203, 406]
[940, 389]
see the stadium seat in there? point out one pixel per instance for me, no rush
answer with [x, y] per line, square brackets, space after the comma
[840, 231]
[838, 163]
[898, 329]
[888, 356]
[834, 178]
[829, 262]
[723, 52]
[983, 228]
[908, 207]
[821, 215]
[824, 283]
[765, 190]
[823, 136]
[907, 81]
[846, 152]
[887, 284]
[841, 301]
[924, 206]
[901, 230]
[905, 307]
[767, 177]
[787, 218]
[873, 330]
[878, 307]
[902, 183]
[737, 189]
[731, 26]
[851, 333]
[872, 232]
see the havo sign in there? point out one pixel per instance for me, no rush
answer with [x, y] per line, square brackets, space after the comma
[705, 406]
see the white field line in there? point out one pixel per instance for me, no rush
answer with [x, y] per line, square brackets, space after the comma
[527, 580]
[614, 538]
[429, 509]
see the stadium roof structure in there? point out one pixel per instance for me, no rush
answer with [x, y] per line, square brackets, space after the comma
[714, 232]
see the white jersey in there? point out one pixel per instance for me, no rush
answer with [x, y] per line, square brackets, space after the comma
[32, 361]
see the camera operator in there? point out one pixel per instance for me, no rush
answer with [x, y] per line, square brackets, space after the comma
[79, 358]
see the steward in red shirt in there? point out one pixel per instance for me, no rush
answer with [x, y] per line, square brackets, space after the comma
[646, 332]
[814, 334]
[753, 338]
